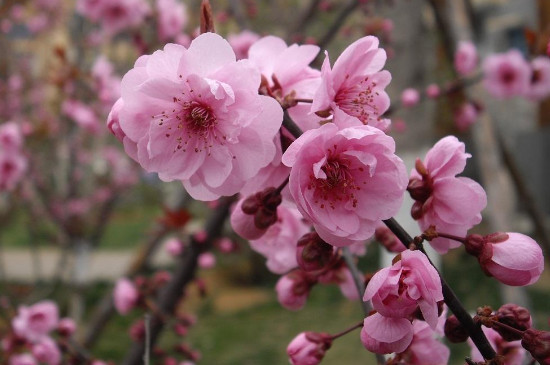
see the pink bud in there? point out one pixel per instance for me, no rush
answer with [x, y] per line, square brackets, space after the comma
[390, 241]
[514, 316]
[125, 296]
[313, 253]
[538, 344]
[243, 223]
[410, 97]
[513, 258]
[308, 348]
[293, 289]
[465, 58]
[433, 91]
[207, 260]
[66, 327]
[173, 246]
[46, 351]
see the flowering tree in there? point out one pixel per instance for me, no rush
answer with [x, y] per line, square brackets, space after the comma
[302, 164]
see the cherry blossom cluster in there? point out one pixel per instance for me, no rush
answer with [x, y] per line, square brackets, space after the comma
[38, 336]
[308, 150]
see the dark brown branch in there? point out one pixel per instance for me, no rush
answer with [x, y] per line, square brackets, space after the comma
[185, 273]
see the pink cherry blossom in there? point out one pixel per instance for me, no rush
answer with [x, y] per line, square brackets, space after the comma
[106, 82]
[278, 243]
[466, 58]
[308, 348]
[433, 91]
[513, 352]
[506, 74]
[293, 289]
[11, 138]
[90, 8]
[425, 348]
[173, 246]
[452, 204]
[23, 359]
[171, 18]
[384, 335]
[465, 116]
[512, 258]
[46, 351]
[355, 85]
[410, 283]
[206, 260]
[241, 42]
[81, 114]
[125, 296]
[36, 321]
[345, 181]
[410, 97]
[287, 73]
[195, 115]
[116, 16]
[539, 87]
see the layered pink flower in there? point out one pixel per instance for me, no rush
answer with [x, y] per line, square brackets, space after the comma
[36, 321]
[125, 296]
[512, 258]
[195, 115]
[81, 114]
[278, 243]
[171, 18]
[506, 74]
[384, 335]
[466, 58]
[512, 352]
[11, 138]
[355, 85]
[411, 283]
[308, 348]
[345, 181]
[451, 204]
[539, 87]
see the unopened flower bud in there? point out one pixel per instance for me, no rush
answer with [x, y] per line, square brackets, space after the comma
[308, 348]
[313, 253]
[420, 190]
[293, 289]
[137, 331]
[514, 316]
[454, 331]
[66, 327]
[538, 344]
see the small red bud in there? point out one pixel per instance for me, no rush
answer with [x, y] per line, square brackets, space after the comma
[454, 330]
[313, 253]
[538, 344]
[514, 316]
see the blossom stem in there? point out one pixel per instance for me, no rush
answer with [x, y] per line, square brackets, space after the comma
[357, 279]
[452, 301]
[290, 126]
[345, 332]
[309, 101]
[507, 327]
[451, 237]
[282, 186]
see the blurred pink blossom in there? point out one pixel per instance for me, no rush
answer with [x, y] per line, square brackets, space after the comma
[23, 359]
[46, 351]
[539, 87]
[125, 296]
[206, 260]
[410, 97]
[506, 74]
[241, 42]
[36, 321]
[171, 18]
[466, 58]
[465, 116]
